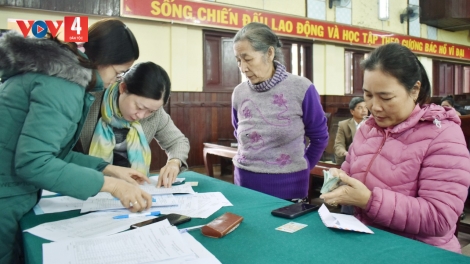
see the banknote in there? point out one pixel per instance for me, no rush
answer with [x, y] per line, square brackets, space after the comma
[329, 182]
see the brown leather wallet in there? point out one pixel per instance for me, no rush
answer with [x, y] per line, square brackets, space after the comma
[222, 225]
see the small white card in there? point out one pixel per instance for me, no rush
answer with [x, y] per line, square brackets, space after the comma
[291, 227]
[193, 183]
[342, 221]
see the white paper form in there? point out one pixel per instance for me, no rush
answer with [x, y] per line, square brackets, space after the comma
[154, 179]
[342, 221]
[186, 202]
[152, 190]
[201, 254]
[209, 203]
[148, 244]
[101, 202]
[198, 205]
[57, 204]
[84, 226]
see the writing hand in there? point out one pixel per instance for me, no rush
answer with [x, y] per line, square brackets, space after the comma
[169, 173]
[130, 195]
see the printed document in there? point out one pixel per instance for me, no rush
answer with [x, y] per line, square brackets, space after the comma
[104, 201]
[89, 225]
[159, 242]
[57, 204]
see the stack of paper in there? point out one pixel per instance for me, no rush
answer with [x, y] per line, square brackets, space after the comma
[185, 201]
[57, 204]
[330, 182]
[104, 201]
[159, 242]
[179, 189]
[198, 205]
[89, 225]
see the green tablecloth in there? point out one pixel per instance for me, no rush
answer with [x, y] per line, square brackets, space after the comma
[257, 241]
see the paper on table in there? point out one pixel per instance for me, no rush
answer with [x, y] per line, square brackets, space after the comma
[148, 244]
[201, 254]
[154, 179]
[342, 221]
[57, 204]
[101, 202]
[84, 226]
[151, 189]
[198, 205]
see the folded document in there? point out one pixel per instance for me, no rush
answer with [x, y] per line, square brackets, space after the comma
[342, 221]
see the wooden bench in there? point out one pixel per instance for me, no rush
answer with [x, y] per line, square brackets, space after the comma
[210, 150]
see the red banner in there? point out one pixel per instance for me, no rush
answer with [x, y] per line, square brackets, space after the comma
[231, 17]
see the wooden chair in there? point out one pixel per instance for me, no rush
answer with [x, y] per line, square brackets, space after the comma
[464, 227]
[466, 128]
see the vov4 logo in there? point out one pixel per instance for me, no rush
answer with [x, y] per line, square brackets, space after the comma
[75, 28]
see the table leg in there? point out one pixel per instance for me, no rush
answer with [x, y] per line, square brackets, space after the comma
[224, 164]
[208, 163]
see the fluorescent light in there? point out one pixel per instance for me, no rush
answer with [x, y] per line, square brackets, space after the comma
[383, 10]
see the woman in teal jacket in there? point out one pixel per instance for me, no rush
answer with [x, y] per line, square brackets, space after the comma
[44, 101]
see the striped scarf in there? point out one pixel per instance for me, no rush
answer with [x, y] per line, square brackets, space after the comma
[279, 75]
[103, 141]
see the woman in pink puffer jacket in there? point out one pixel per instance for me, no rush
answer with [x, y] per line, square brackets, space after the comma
[409, 163]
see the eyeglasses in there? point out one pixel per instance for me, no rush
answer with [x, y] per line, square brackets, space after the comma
[119, 75]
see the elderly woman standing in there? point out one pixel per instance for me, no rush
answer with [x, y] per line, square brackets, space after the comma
[272, 113]
[408, 164]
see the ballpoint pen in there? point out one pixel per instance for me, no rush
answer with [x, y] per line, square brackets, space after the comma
[183, 230]
[155, 213]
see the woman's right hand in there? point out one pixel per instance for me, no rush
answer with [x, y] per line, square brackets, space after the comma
[352, 192]
[126, 174]
[127, 193]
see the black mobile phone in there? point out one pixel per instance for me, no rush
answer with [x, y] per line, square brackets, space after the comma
[174, 219]
[178, 183]
[294, 210]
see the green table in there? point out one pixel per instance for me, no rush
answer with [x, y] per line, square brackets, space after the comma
[257, 241]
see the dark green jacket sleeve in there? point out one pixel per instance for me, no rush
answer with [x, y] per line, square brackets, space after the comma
[86, 160]
[51, 123]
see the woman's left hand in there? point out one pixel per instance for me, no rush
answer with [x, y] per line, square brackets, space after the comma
[126, 174]
[353, 192]
[168, 173]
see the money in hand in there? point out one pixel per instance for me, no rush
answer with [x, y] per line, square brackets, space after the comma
[329, 182]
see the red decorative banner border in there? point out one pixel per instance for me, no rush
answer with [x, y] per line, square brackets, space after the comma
[231, 17]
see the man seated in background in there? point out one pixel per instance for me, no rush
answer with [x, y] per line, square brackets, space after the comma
[347, 128]
[449, 101]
